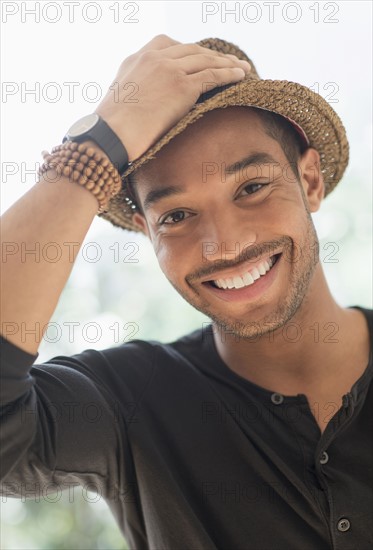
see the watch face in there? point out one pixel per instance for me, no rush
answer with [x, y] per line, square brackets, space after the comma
[83, 125]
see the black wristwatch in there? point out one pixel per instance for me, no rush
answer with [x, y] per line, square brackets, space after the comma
[93, 127]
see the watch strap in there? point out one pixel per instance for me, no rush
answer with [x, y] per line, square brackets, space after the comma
[108, 141]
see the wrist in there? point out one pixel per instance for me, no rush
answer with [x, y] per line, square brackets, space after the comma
[126, 131]
[86, 164]
[93, 127]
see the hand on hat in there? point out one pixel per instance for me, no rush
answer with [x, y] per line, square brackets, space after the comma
[156, 86]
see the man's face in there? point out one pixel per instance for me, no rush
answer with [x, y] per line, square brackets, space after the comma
[224, 227]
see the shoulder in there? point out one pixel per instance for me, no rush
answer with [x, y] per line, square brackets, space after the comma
[134, 364]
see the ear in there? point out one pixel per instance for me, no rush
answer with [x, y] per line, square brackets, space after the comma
[139, 220]
[311, 178]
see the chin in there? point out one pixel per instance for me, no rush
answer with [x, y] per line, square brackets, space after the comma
[262, 318]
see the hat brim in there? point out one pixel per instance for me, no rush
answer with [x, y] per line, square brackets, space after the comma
[307, 109]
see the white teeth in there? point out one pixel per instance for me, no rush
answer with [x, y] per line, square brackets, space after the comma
[230, 283]
[255, 273]
[238, 282]
[247, 278]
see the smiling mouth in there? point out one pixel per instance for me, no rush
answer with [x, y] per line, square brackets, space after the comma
[247, 278]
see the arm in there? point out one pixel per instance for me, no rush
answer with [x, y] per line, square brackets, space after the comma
[62, 212]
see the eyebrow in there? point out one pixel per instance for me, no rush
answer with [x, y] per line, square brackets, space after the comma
[255, 158]
[157, 194]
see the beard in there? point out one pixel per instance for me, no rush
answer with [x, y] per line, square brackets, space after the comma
[300, 277]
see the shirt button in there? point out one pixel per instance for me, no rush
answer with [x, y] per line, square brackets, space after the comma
[343, 525]
[277, 398]
[324, 458]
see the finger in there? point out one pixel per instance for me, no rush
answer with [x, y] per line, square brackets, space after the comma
[181, 50]
[219, 77]
[159, 42]
[199, 62]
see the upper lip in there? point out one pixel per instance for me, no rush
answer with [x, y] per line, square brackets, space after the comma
[239, 269]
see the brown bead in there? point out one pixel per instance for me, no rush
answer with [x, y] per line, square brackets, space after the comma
[54, 163]
[83, 180]
[51, 162]
[92, 164]
[57, 165]
[87, 167]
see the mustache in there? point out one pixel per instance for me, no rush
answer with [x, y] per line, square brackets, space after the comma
[251, 252]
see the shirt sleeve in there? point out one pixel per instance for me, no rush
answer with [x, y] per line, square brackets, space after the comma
[65, 422]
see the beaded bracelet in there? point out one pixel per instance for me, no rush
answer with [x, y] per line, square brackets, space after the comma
[84, 165]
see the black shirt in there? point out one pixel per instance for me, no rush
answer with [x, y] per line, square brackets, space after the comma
[188, 454]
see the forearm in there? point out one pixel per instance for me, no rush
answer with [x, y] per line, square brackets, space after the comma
[61, 212]
[51, 219]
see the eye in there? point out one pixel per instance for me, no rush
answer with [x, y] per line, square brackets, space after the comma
[252, 188]
[176, 217]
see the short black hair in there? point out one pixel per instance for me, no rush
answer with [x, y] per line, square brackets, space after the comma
[275, 126]
[281, 130]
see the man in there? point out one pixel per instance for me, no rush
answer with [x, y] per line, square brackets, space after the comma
[255, 432]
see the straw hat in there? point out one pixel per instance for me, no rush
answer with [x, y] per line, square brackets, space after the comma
[316, 121]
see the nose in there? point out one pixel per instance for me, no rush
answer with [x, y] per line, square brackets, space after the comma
[225, 236]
